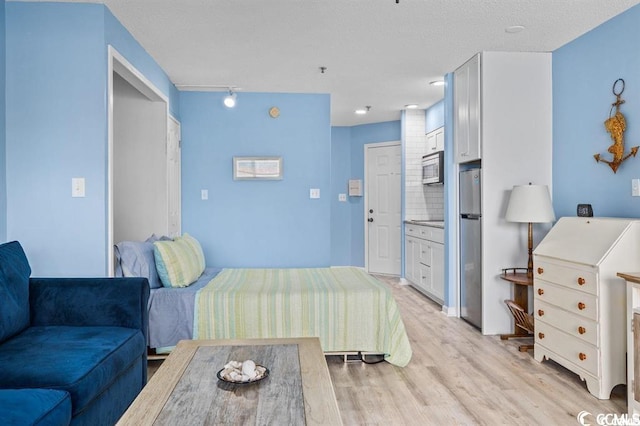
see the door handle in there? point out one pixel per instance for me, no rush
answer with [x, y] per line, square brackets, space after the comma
[370, 219]
[370, 210]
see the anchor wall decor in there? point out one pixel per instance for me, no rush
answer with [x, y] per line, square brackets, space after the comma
[616, 125]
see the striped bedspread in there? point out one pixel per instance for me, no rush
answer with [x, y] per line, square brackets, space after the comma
[348, 309]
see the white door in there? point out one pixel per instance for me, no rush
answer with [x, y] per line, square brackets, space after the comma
[173, 176]
[382, 188]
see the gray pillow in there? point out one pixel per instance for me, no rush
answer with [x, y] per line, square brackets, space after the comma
[135, 259]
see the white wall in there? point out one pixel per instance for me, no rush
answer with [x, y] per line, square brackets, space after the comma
[422, 202]
[139, 164]
[516, 150]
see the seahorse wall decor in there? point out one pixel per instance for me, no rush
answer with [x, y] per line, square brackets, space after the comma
[616, 125]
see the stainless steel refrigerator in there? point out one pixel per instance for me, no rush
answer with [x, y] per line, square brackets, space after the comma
[471, 247]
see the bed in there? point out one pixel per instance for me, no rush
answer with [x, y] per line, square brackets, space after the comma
[348, 309]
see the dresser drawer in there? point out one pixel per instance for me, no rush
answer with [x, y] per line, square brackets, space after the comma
[431, 233]
[425, 252]
[565, 275]
[568, 347]
[577, 302]
[576, 325]
[412, 230]
[425, 232]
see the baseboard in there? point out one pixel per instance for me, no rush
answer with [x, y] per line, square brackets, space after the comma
[450, 311]
[404, 281]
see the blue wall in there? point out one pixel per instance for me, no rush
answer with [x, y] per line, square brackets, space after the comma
[434, 116]
[360, 136]
[340, 210]
[57, 113]
[3, 161]
[53, 126]
[257, 223]
[56, 129]
[450, 196]
[117, 36]
[583, 74]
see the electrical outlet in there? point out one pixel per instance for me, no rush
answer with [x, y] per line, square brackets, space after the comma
[314, 193]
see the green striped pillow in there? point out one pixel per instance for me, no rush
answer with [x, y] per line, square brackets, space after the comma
[177, 263]
[196, 247]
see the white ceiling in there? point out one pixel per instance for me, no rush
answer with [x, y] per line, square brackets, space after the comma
[377, 52]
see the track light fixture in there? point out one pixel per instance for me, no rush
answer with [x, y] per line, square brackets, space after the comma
[230, 99]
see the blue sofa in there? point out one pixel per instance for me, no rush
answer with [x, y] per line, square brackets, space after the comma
[72, 350]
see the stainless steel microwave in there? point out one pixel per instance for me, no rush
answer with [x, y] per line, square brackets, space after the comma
[433, 168]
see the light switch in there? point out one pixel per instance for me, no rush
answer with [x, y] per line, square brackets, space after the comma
[77, 187]
[204, 194]
[342, 197]
[314, 193]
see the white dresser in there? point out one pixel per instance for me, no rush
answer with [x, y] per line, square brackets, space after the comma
[580, 303]
[633, 341]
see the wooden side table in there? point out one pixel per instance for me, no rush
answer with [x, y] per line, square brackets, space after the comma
[523, 321]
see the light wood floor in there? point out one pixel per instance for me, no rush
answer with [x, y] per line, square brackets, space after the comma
[459, 377]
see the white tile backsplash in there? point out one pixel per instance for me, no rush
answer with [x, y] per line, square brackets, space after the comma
[422, 202]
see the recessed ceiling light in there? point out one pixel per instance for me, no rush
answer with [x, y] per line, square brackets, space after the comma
[411, 106]
[437, 83]
[513, 29]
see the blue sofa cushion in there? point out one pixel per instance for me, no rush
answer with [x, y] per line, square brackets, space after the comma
[14, 290]
[46, 407]
[84, 361]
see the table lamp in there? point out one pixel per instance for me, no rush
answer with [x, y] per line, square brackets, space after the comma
[530, 204]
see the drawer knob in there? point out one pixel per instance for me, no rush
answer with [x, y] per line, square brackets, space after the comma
[581, 306]
[540, 271]
[540, 312]
[581, 281]
[582, 356]
[540, 292]
[540, 335]
[582, 330]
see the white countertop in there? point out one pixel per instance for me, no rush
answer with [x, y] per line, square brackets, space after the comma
[432, 223]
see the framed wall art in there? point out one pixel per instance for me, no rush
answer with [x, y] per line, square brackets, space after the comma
[257, 168]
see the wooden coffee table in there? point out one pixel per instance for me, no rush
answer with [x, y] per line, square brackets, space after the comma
[185, 389]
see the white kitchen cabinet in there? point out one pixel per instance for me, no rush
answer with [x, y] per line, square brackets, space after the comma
[506, 126]
[579, 301]
[424, 259]
[466, 113]
[435, 140]
[437, 270]
[411, 248]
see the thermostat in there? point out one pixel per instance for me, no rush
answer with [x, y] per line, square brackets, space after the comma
[355, 187]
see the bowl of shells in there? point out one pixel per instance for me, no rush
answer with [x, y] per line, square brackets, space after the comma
[242, 372]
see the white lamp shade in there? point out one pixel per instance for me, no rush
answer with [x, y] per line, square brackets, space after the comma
[530, 203]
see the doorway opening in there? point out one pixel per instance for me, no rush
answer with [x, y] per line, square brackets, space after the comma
[140, 178]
